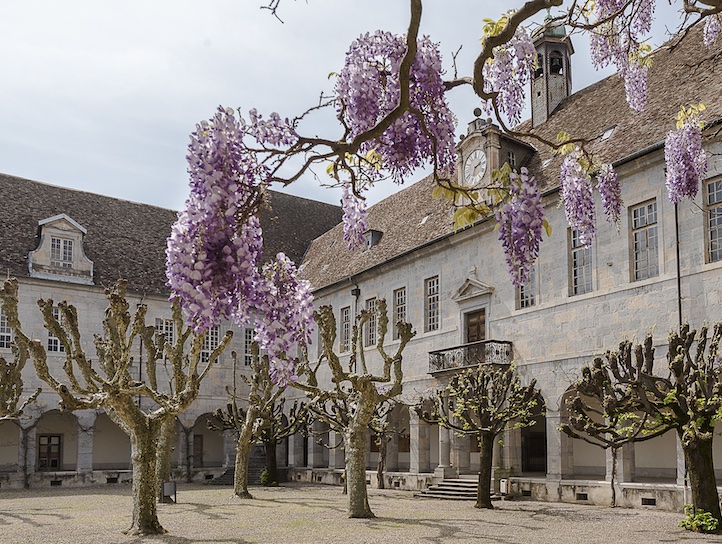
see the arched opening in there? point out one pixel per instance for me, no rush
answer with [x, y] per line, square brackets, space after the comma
[111, 446]
[56, 442]
[556, 63]
[539, 71]
[655, 460]
[207, 444]
[403, 427]
[534, 443]
[9, 446]
[588, 462]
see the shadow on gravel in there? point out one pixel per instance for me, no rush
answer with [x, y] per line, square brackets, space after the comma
[35, 517]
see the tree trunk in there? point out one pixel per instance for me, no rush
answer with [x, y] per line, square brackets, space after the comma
[614, 477]
[700, 471]
[271, 463]
[486, 458]
[143, 454]
[243, 454]
[166, 441]
[355, 445]
[382, 462]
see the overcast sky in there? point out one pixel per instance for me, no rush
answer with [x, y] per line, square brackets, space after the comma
[101, 96]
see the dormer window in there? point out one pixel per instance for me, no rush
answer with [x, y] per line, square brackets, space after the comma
[60, 255]
[373, 237]
[61, 252]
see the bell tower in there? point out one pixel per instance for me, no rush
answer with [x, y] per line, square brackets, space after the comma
[552, 81]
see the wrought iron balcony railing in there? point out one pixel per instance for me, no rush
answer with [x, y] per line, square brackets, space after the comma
[485, 352]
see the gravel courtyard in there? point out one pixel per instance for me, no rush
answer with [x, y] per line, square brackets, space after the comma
[316, 514]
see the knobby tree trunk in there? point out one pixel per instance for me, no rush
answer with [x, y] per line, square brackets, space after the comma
[243, 454]
[271, 462]
[380, 467]
[700, 471]
[486, 453]
[143, 442]
[166, 440]
[614, 477]
[355, 445]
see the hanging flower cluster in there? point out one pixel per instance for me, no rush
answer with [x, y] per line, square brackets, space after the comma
[368, 89]
[216, 242]
[275, 131]
[354, 217]
[686, 159]
[578, 197]
[618, 41]
[521, 220]
[215, 247]
[610, 192]
[509, 71]
[711, 29]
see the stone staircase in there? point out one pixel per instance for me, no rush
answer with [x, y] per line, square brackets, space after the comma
[256, 464]
[459, 489]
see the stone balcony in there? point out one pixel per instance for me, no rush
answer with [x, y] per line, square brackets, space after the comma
[496, 352]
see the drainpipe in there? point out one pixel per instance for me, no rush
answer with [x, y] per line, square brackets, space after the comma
[679, 273]
[356, 293]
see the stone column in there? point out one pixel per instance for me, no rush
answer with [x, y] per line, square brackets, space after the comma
[85, 422]
[230, 439]
[445, 470]
[625, 464]
[392, 452]
[559, 455]
[295, 451]
[336, 458]
[460, 454]
[315, 450]
[419, 444]
[681, 465]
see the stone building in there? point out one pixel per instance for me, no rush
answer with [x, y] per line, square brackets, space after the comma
[70, 245]
[663, 266]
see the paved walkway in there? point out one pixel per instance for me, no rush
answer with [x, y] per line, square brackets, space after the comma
[313, 514]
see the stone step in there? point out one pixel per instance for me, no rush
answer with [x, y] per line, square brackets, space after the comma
[452, 489]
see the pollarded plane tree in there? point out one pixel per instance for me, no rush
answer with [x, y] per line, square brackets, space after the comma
[482, 402]
[12, 403]
[110, 385]
[687, 400]
[605, 411]
[348, 403]
[260, 420]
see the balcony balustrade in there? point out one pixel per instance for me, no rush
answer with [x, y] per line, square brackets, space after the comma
[496, 352]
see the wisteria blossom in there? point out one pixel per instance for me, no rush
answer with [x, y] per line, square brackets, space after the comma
[711, 29]
[275, 131]
[216, 242]
[610, 192]
[521, 220]
[354, 217]
[578, 197]
[368, 88]
[509, 72]
[686, 159]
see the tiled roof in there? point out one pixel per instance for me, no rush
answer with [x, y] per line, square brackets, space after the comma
[689, 73]
[128, 239]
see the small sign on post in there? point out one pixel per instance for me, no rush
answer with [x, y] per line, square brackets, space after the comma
[169, 494]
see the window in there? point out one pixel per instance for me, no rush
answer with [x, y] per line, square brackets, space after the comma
[61, 252]
[511, 159]
[370, 337]
[714, 225]
[247, 343]
[54, 344]
[210, 343]
[581, 261]
[6, 336]
[431, 304]
[345, 332]
[526, 294]
[399, 309]
[645, 255]
[50, 451]
[166, 328]
[556, 63]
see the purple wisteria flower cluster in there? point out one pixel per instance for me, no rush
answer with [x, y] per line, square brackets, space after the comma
[216, 241]
[610, 192]
[215, 247]
[368, 88]
[521, 220]
[354, 217]
[508, 73]
[578, 197]
[275, 131]
[711, 29]
[618, 41]
[284, 317]
[685, 158]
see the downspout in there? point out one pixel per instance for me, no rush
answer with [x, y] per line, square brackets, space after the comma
[679, 272]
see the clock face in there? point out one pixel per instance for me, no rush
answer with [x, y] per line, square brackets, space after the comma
[474, 167]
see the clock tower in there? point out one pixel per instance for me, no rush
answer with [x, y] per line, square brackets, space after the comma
[478, 153]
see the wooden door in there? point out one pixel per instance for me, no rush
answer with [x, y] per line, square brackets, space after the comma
[476, 326]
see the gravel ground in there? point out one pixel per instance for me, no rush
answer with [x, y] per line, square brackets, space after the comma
[314, 514]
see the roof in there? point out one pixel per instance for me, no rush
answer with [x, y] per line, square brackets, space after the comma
[687, 72]
[127, 239]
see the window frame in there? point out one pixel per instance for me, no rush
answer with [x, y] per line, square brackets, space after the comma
[166, 327]
[53, 344]
[399, 309]
[638, 224]
[61, 252]
[370, 330]
[432, 304]
[527, 295]
[6, 333]
[713, 211]
[210, 342]
[587, 267]
[248, 334]
[344, 333]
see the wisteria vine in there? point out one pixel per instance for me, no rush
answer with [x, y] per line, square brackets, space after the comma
[686, 159]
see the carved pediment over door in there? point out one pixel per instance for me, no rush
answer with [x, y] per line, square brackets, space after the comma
[471, 289]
